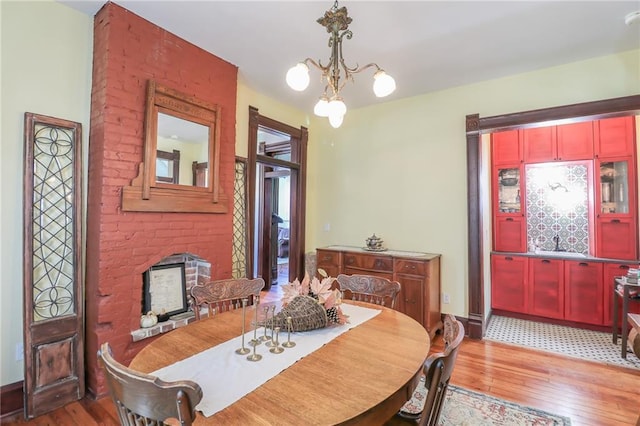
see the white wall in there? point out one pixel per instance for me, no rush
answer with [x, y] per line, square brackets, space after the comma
[46, 69]
[399, 168]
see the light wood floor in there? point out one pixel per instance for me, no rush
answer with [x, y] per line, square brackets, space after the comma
[587, 392]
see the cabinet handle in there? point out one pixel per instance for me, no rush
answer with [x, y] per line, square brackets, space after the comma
[326, 258]
[546, 261]
[623, 266]
[350, 260]
[509, 219]
[508, 258]
[615, 220]
[378, 264]
[412, 267]
[583, 264]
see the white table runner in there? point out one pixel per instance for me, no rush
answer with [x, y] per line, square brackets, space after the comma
[225, 376]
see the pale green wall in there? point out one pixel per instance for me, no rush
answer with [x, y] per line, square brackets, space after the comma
[399, 168]
[46, 69]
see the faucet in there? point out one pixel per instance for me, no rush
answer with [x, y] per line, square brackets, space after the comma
[556, 239]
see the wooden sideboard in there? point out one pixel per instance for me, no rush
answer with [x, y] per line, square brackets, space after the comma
[417, 273]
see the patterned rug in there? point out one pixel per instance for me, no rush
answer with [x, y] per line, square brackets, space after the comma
[574, 342]
[463, 407]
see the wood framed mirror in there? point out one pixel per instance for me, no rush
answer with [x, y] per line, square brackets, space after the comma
[180, 171]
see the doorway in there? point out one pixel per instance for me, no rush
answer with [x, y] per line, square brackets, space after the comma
[277, 175]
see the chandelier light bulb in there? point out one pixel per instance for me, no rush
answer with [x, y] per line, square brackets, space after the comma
[335, 120]
[322, 107]
[383, 84]
[298, 77]
[337, 107]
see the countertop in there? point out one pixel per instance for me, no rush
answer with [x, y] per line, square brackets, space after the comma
[391, 253]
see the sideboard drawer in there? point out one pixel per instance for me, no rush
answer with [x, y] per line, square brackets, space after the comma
[410, 267]
[363, 261]
[327, 257]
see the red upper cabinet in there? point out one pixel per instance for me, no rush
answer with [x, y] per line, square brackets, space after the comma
[558, 143]
[575, 141]
[506, 147]
[616, 232]
[539, 144]
[615, 137]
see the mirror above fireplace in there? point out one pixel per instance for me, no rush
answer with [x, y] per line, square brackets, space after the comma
[180, 171]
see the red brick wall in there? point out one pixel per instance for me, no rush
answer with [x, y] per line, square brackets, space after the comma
[128, 51]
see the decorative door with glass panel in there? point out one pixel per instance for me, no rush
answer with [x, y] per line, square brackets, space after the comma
[53, 290]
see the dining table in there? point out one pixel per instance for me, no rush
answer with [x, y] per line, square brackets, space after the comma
[362, 376]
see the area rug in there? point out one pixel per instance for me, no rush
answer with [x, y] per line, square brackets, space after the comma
[574, 342]
[463, 407]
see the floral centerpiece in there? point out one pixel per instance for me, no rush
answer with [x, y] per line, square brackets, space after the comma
[310, 304]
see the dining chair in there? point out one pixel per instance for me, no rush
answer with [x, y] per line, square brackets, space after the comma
[143, 399]
[224, 295]
[368, 288]
[437, 371]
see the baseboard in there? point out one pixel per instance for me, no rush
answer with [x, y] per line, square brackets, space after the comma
[11, 399]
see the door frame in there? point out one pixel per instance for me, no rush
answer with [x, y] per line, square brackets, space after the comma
[298, 168]
[475, 127]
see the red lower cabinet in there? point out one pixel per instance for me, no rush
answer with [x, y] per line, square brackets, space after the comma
[509, 283]
[546, 288]
[583, 301]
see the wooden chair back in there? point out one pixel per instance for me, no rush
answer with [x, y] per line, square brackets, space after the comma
[438, 369]
[437, 372]
[224, 295]
[143, 399]
[368, 288]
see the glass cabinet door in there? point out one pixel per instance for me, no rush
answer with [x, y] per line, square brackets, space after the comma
[614, 187]
[509, 195]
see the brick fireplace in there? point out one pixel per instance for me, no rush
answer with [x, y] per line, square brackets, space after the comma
[128, 51]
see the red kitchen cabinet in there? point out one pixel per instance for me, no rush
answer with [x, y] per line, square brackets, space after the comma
[558, 143]
[583, 286]
[506, 147]
[539, 144]
[509, 226]
[616, 216]
[546, 287]
[510, 234]
[615, 137]
[509, 283]
[575, 141]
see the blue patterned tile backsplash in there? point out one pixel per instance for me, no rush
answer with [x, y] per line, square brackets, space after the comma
[558, 206]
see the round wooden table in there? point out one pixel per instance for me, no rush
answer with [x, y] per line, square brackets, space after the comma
[363, 376]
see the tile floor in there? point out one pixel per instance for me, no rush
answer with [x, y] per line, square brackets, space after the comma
[574, 342]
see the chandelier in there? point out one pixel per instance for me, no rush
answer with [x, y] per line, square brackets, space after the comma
[336, 72]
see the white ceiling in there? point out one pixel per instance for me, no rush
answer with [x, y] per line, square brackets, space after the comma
[425, 45]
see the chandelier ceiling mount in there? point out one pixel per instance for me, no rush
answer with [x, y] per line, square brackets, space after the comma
[336, 73]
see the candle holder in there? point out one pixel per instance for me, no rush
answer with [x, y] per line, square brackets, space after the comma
[255, 341]
[254, 356]
[289, 343]
[270, 343]
[276, 349]
[264, 337]
[243, 350]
